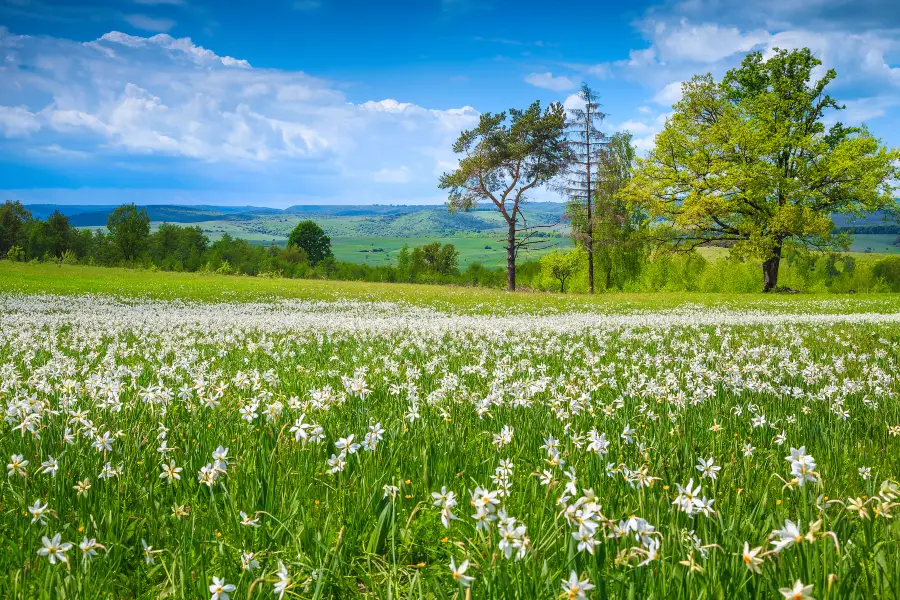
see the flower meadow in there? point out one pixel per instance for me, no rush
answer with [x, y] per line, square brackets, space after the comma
[334, 449]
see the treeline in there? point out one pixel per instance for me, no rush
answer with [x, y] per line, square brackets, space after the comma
[129, 242]
[870, 229]
[631, 268]
[802, 269]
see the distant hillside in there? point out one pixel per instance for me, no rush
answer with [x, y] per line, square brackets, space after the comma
[267, 225]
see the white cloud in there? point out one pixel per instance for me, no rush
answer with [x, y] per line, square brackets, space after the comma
[573, 101]
[162, 104]
[18, 121]
[550, 82]
[701, 43]
[149, 23]
[669, 94]
[398, 175]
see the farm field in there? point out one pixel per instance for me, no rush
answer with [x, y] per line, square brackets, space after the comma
[169, 433]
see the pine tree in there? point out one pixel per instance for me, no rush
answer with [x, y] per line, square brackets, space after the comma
[586, 145]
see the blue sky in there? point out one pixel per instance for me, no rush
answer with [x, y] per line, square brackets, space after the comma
[284, 102]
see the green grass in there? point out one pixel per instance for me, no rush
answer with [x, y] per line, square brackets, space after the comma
[240, 376]
[472, 248]
[30, 278]
[875, 244]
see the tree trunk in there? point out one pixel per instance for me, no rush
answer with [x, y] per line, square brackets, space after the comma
[590, 196]
[511, 257]
[589, 242]
[770, 270]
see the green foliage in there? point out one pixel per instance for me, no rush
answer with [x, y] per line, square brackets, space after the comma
[558, 266]
[888, 270]
[441, 259]
[618, 226]
[505, 159]
[311, 239]
[748, 160]
[16, 254]
[14, 219]
[130, 230]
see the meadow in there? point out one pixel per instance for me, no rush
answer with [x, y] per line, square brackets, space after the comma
[199, 436]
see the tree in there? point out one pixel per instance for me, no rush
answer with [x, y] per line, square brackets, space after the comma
[618, 224]
[441, 259]
[51, 238]
[13, 221]
[504, 160]
[748, 161]
[312, 239]
[129, 229]
[559, 266]
[586, 146]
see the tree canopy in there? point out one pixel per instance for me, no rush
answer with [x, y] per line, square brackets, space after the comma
[311, 238]
[748, 161]
[130, 230]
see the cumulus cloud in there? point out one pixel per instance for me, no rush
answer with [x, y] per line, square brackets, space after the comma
[550, 82]
[689, 37]
[166, 103]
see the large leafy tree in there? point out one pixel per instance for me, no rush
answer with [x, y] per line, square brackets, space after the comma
[504, 159]
[129, 228]
[748, 162]
[308, 236]
[14, 219]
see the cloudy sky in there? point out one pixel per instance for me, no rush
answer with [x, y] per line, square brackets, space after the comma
[284, 102]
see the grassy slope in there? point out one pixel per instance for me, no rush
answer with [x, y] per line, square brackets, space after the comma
[56, 279]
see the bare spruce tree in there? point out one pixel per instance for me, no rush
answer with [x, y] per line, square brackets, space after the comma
[586, 145]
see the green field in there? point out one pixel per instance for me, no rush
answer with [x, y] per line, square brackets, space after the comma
[875, 243]
[168, 435]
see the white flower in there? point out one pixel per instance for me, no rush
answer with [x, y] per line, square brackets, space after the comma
[248, 521]
[707, 468]
[220, 459]
[575, 589]
[170, 472]
[787, 536]
[103, 443]
[148, 552]
[38, 512]
[798, 592]
[248, 561]
[346, 445]
[55, 549]
[219, 589]
[49, 466]
[88, 548]
[16, 466]
[283, 580]
[751, 558]
[459, 573]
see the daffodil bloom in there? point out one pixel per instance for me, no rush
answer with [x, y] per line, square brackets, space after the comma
[752, 558]
[54, 549]
[798, 592]
[575, 588]
[219, 589]
[459, 573]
